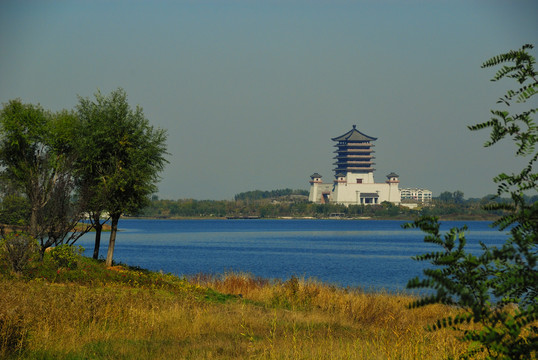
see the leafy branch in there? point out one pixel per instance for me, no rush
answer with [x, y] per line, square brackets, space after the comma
[498, 289]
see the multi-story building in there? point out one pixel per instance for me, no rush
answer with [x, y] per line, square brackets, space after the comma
[354, 175]
[415, 194]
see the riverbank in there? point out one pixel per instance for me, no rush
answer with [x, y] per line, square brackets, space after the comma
[91, 311]
[452, 217]
[296, 208]
[78, 227]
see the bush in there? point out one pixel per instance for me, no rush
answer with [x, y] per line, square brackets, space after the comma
[66, 256]
[18, 248]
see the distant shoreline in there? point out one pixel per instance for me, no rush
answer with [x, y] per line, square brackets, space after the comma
[441, 218]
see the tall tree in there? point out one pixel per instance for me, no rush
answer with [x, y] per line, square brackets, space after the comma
[497, 289]
[121, 157]
[91, 164]
[458, 197]
[446, 196]
[25, 155]
[37, 155]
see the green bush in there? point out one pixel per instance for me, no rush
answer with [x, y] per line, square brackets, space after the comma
[66, 256]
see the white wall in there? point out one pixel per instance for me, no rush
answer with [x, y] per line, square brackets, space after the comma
[367, 178]
[348, 193]
[317, 190]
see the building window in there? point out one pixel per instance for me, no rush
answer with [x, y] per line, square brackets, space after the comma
[359, 181]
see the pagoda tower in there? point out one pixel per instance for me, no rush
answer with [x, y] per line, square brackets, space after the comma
[354, 175]
[354, 157]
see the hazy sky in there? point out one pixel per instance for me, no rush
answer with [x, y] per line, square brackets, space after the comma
[251, 92]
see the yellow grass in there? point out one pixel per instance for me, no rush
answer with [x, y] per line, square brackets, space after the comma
[296, 319]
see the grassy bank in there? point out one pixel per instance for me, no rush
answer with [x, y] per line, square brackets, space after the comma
[93, 312]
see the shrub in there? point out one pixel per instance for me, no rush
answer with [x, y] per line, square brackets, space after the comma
[66, 256]
[18, 248]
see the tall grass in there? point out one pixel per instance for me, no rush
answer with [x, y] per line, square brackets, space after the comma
[341, 323]
[234, 316]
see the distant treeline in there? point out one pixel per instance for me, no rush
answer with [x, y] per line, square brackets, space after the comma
[294, 203]
[284, 203]
[259, 194]
[263, 208]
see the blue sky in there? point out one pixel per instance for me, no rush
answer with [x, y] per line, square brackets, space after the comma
[251, 92]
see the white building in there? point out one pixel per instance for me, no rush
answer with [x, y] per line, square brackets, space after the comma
[415, 194]
[354, 175]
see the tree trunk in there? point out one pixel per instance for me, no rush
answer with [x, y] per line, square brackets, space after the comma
[112, 241]
[42, 250]
[33, 222]
[98, 228]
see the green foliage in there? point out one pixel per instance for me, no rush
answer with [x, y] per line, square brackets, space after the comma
[520, 126]
[24, 138]
[264, 209]
[36, 158]
[120, 153]
[56, 166]
[297, 207]
[94, 272]
[273, 194]
[14, 210]
[25, 153]
[66, 256]
[18, 248]
[216, 297]
[120, 158]
[497, 289]
[455, 197]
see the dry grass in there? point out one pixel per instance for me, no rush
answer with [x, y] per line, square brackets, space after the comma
[296, 319]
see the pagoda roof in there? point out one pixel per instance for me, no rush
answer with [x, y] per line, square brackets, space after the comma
[354, 135]
[315, 175]
[392, 174]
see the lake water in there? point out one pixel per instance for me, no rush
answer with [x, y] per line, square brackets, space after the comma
[371, 254]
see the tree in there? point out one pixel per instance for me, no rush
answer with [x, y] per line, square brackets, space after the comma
[37, 156]
[25, 155]
[457, 196]
[14, 210]
[446, 197]
[121, 157]
[497, 289]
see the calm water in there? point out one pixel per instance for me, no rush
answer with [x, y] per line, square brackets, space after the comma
[369, 254]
